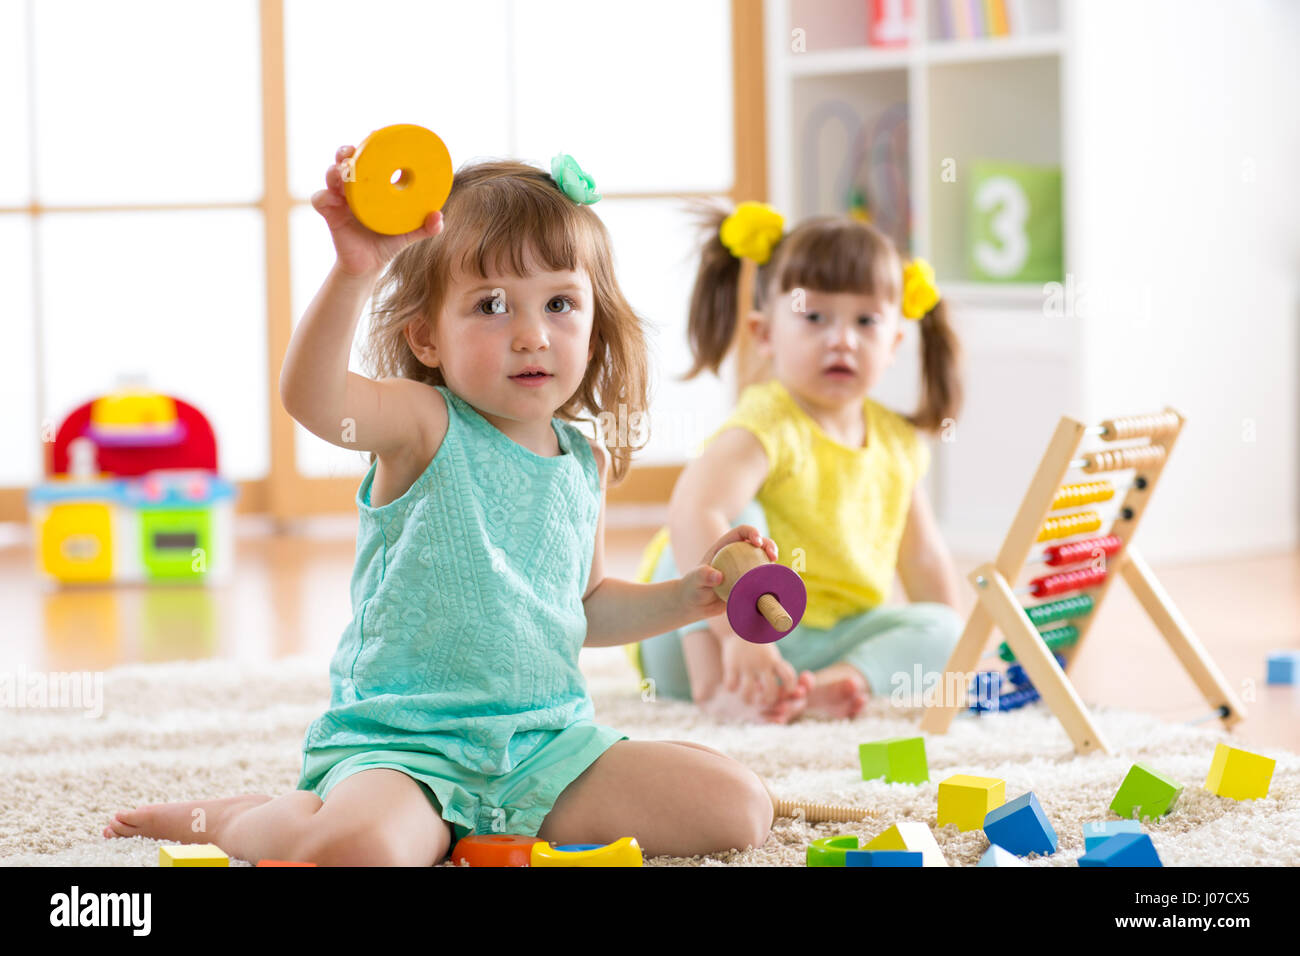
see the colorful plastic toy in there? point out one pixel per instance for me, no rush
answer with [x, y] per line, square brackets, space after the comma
[897, 759]
[765, 600]
[966, 800]
[1021, 826]
[396, 177]
[914, 837]
[624, 852]
[830, 851]
[1283, 667]
[1127, 849]
[132, 494]
[282, 863]
[1094, 834]
[494, 849]
[996, 856]
[1145, 792]
[192, 854]
[882, 858]
[1104, 559]
[1239, 774]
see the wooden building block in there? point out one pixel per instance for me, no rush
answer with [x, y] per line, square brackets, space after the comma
[1145, 792]
[897, 759]
[912, 836]
[966, 800]
[192, 854]
[1239, 774]
[1021, 826]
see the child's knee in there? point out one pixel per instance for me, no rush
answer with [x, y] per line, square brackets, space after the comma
[369, 843]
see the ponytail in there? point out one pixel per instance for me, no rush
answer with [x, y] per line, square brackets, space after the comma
[941, 388]
[711, 322]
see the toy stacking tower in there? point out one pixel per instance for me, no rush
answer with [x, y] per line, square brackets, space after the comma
[1103, 557]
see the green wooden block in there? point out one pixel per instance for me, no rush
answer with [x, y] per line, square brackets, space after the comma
[897, 759]
[1147, 791]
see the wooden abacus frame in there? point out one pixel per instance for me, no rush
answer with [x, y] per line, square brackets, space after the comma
[997, 605]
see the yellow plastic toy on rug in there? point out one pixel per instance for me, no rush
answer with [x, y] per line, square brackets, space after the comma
[397, 176]
[624, 852]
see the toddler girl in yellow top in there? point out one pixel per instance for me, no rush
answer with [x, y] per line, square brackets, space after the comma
[809, 459]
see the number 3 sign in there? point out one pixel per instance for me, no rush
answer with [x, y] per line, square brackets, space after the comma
[1015, 223]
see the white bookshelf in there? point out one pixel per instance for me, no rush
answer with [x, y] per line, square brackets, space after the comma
[1109, 94]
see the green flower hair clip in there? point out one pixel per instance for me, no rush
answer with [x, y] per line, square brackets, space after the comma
[573, 182]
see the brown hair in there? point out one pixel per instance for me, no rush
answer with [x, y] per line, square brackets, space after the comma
[826, 254]
[498, 213]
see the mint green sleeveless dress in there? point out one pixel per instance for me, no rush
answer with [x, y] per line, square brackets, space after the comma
[460, 664]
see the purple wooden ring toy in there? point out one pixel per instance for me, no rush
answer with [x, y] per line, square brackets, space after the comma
[742, 603]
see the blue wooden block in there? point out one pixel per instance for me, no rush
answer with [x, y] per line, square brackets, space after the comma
[1097, 833]
[1021, 826]
[1127, 849]
[996, 856]
[1283, 667]
[882, 858]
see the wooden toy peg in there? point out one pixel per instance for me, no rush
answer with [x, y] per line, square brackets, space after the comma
[765, 600]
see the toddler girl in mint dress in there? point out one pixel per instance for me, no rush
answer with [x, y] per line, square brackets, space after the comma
[456, 702]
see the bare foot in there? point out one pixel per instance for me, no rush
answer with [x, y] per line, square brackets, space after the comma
[840, 692]
[177, 822]
[729, 705]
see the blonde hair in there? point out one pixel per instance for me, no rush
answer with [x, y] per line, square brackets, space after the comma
[498, 213]
[826, 254]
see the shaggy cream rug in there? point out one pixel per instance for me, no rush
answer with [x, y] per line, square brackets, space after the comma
[188, 730]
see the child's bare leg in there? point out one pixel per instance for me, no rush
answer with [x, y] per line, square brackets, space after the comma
[840, 691]
[702, 650]
[377, 817]
[676, 799]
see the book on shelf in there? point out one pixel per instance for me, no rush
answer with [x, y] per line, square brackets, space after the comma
[890, 24]
[971, 19]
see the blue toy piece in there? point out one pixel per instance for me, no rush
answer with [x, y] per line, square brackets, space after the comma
[578, 847]
[1021, 827]
[882, 858]
[1283, 667]
[1127, 849]
[988, 687]
[996, 856]
[1099, 832]
[1018, 678]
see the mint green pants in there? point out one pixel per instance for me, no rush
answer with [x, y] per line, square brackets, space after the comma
[886, 645]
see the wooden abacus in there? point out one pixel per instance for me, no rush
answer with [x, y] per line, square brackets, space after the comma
[1110, 555]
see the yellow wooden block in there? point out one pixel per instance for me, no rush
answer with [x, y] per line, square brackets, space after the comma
[1239, 774]
[912, 836]
[965, 800]
[192, 854]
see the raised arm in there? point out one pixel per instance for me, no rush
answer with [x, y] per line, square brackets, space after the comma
[316, 388]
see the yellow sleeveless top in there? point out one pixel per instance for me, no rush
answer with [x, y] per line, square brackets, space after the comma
[836, 513]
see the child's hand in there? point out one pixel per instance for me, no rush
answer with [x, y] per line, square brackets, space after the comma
[361, 251]
[757, 671]
[698, 595]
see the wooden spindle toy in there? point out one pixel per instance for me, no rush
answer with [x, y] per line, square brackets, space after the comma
[765, 600]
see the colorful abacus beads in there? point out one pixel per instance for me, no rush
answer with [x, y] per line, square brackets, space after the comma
[1061, 610]
[1072, 552]
[1055, 638]
[1080, 522]
[1139, 456]
[1078, 580]
[1139, 426]
[1084, 493]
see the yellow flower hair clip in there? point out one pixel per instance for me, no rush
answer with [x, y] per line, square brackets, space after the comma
[920, 294]
[751, 231]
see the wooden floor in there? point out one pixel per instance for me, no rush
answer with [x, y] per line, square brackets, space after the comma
[290, 596]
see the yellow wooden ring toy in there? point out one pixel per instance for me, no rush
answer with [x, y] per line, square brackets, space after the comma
[391, 204]
[624, 852]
